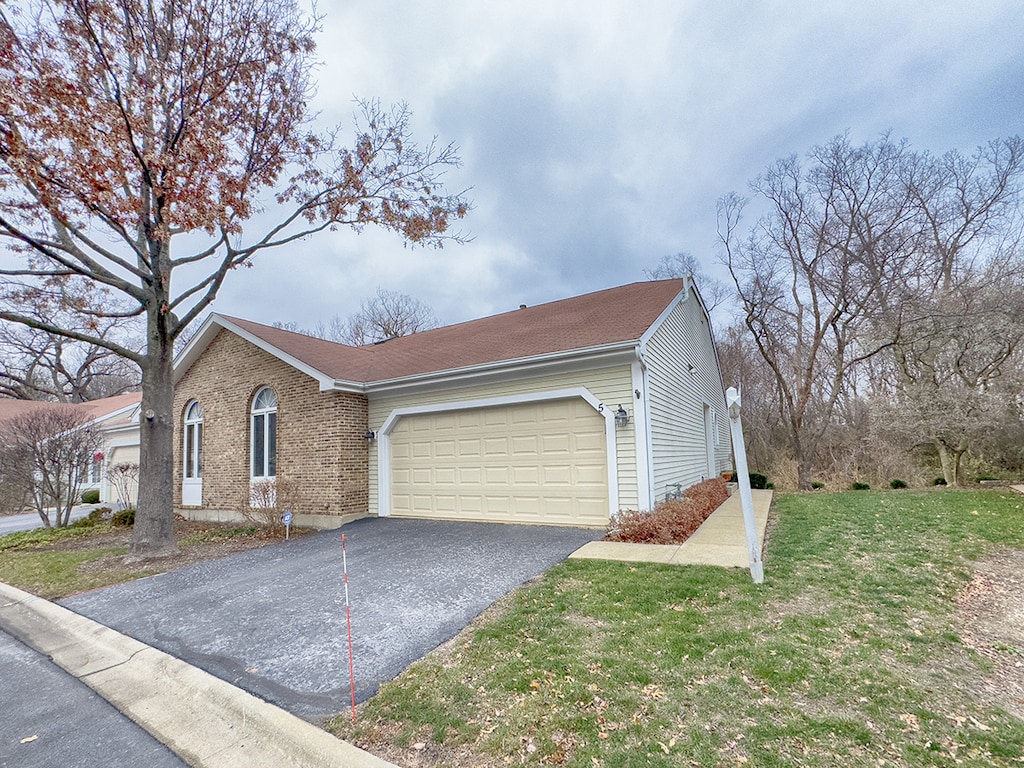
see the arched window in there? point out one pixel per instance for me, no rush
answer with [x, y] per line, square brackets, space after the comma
[264, 434]
[194, 441]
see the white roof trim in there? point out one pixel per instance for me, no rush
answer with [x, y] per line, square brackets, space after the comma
[215, 322]
[682, 296]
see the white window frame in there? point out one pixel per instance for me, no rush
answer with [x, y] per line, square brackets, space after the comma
[264, 410]
[193, 439]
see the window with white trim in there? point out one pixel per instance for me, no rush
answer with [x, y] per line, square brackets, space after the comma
[263, 448]
[194, 441]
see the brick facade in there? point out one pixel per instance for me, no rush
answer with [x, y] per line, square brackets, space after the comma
[321, 448]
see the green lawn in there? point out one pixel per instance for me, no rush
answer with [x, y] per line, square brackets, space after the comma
[847, 655]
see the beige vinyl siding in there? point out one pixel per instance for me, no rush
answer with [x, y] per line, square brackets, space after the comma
[677, 398]
[122, 454]
[612, 385]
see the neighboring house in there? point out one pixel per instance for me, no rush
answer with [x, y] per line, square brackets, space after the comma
[562, 413]
[118, 419]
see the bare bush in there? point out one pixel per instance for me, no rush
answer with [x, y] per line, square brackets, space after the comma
[268, 500]
[673, 521]
[124, 478]
[45, 457]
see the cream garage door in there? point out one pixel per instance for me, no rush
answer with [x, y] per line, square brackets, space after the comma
[543, 462]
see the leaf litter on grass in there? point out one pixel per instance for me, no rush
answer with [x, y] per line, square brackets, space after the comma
[849, 654]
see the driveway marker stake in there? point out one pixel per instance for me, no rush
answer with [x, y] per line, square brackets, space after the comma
[348, 622]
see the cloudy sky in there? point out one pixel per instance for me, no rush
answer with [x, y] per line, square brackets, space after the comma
[597, 136]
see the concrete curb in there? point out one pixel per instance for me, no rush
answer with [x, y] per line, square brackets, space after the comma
[207, 722]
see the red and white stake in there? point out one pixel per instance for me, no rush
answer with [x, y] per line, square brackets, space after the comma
[348, 622]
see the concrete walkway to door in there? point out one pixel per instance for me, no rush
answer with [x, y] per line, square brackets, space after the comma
[721, 540]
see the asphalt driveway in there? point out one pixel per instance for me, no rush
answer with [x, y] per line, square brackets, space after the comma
[272, 620]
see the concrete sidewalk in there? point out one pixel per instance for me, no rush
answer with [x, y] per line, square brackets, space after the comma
[204, 720]
[721, 540]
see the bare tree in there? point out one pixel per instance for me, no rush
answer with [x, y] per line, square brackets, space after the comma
[813, 269]
[388, 315]
[715, 292]
[129, 126]
[958, 326]
[48, 452]
[36, 365]
[878, 249]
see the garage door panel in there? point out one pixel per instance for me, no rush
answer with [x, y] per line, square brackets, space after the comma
[554, 475]
[496, 446]
[494, 417]
[525, 445]
[556, 445]
[533, 463]
[588, 443]
[444, 476]
[526, 476]
[589, 474]
[470, 447]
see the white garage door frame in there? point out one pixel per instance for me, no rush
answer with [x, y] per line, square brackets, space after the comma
[384, 435]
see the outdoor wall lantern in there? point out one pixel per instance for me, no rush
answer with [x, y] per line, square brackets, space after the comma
[370, 435]
[621, 417]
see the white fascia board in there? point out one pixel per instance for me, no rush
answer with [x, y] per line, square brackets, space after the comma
[682, 296]
[577, 359]
[99, 420]
[214, 323]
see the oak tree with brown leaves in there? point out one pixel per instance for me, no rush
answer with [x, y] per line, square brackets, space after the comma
[137, 139]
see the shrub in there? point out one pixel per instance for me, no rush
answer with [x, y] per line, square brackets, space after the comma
[670, 522]
[897, 484]
[861, 487]
[817, 486]
[268, 500]
[91, 496]
[95, 517]
[124, 518]
[758, 481]
[939, 481]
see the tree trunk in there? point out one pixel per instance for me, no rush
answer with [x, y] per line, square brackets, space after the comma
[153, 533]
[804, 471]
[950, 459]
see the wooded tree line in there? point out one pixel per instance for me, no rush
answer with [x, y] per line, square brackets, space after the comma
[881, 297]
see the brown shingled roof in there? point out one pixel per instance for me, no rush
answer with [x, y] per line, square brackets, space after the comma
[590, 321]
[93, 409]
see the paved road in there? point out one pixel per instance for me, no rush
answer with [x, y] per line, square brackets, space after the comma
[272, 621]
[62, 722]
[29, 520]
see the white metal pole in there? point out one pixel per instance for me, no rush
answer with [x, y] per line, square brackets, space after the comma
[739, 452]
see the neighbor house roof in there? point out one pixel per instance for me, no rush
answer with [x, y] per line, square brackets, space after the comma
[118, 406]
[590, 322]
